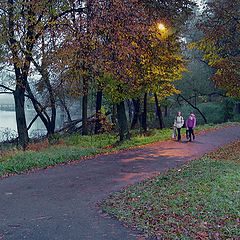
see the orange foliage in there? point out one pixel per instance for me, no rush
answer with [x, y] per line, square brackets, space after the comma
[37, 146]
[221, 42]
[230, 152]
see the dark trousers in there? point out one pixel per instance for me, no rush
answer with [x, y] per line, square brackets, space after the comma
[191, 134]
[178, 134]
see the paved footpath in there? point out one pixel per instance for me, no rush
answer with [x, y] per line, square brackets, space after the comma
[60, 203]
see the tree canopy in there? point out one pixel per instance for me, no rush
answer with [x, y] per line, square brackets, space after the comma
[220, 25]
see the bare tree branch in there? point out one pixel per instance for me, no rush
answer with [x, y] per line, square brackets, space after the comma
[204, 118]
[7, 88]
[6, 92]
[33, 120]
[54, 18]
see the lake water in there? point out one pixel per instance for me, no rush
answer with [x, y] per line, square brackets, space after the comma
[8, 125]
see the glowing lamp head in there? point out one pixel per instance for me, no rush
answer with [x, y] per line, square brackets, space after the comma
[161, 27]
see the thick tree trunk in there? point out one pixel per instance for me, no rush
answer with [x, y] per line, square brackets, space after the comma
[129, 104]
[144, 113]
[136, 114]
[20, 117]
[122, 122]
[159, 112]
[52, 124]
[98, 124]
[19, 93]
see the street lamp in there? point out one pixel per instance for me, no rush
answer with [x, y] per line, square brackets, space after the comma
[162, 27]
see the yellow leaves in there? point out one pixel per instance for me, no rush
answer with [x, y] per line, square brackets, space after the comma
[52, 22]
[226, 68]
[212, 58]
[134, 44]
[211, 51]
[219, 72]
[165, 90]
[193, 45]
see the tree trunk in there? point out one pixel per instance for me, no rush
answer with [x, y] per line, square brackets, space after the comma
[122, 122]
[48, 121]
[85, 107]
[144, 114]
[98, 124]
[19, 92]
[52, 123]
[238, 108]
[84, 115]
[114, 114]
[41, 112]
[159, 112]
[165, 111]
[129, 104]
[136, 114]
[195, 98]
[64, 105]
[20, 116]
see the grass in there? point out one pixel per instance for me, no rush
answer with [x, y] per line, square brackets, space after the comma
[74, 147]
[23, 161]
[199, 201]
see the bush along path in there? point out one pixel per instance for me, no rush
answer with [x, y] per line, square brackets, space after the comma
[62, 202]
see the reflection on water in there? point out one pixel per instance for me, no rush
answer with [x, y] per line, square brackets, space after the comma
[8, 126]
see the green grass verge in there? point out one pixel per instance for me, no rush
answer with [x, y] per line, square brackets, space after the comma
[199, 201]
[75, 146]
[104, 140]
[23, 161]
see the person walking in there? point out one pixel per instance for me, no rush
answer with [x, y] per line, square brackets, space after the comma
[190, 125]
[178, 123]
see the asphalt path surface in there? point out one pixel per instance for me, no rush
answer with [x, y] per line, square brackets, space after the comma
[61, 202]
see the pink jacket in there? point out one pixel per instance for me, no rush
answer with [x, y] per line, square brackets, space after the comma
[191, 122]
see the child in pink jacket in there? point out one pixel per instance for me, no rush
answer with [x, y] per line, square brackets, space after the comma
[190, 125]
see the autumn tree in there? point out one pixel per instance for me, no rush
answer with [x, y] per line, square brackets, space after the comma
[23, 22]
[159, 66]
[162, 50]
[220, 25]
[117, 24]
